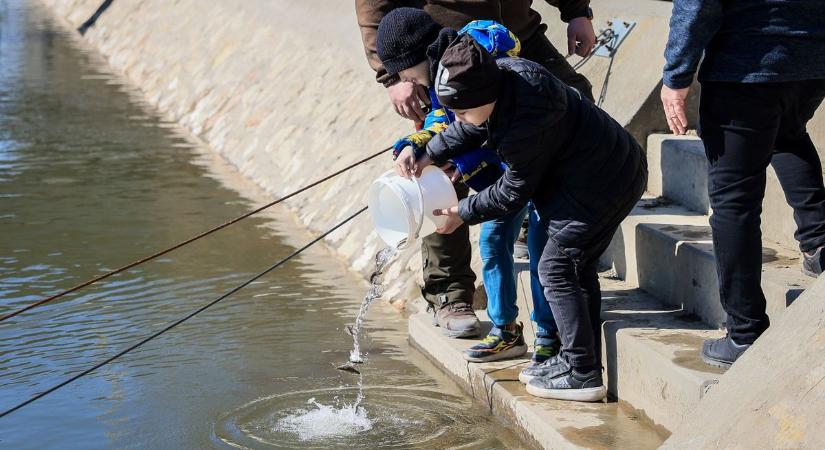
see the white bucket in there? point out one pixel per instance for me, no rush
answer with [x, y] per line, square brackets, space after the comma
[402, 209]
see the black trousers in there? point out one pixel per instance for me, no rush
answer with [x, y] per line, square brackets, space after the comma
[568, 269]
[745, 127]
[447, 273]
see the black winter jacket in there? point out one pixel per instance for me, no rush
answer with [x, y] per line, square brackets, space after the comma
[570, 157]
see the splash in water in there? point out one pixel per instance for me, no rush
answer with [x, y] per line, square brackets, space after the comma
[382, 259]
[322, 421]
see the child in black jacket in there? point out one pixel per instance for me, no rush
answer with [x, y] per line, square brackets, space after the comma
[581, 169]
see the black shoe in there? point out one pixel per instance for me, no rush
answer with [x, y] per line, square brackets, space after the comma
[499, 344]
[722, 352]
[813, 264]
[569, 384]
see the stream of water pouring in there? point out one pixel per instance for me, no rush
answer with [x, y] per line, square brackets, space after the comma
[375, 290]
[322, 421]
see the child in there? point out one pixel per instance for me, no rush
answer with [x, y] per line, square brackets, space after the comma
[407, 50]
[581, 169]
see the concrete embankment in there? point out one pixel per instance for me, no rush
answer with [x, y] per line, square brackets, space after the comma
[282, 91]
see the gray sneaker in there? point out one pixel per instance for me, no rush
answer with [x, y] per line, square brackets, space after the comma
[566, 383]
[550, 366]
[814, 263]
[457, 320]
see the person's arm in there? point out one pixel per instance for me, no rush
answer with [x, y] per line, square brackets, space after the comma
[692, 26]
[404, 96]
[527, 161]
[571, 9]
[580, 35]
[369, 14]
[458, 138]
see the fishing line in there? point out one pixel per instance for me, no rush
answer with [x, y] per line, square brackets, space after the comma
[188, 241]
[179, 321]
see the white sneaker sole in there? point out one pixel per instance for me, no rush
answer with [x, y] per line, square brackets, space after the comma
[577, 395]
[524, 378]
[510, 353]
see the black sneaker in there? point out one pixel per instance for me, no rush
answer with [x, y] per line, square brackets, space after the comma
[499, 344]
[813, 264]
[569, 384]
[722, 352]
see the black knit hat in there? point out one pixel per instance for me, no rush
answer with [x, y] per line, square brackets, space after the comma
[403, 37]
[468, 76]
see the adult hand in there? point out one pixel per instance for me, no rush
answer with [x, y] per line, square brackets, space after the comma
[405, 163]
[453, 220]
[673, 101]
[580, 36]
[405, 96]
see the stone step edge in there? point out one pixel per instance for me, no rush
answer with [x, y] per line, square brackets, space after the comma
[545, 423]
[651, 354]
[670, 157]
[656, 234]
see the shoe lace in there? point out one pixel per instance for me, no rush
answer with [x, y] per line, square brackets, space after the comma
[459, 307]
[489, 339]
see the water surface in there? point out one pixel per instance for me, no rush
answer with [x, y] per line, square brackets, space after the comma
[91, 179]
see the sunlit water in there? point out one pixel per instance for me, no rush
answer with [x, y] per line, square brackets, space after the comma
[91, 179]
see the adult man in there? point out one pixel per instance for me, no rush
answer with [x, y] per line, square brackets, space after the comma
[763, 77]
[448, 279]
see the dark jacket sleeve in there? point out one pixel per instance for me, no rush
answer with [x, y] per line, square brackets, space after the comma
[369, 14]
[692, 26]
[570, 9]
[458, 138]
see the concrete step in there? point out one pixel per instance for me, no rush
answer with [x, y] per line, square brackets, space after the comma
[545, 423]
[667, 251]
[678, 171]
[651, 354]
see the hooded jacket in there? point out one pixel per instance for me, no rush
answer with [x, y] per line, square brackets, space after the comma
[481, 167]
[562, 152]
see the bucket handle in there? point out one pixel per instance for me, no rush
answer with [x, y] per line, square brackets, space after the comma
[420, 206]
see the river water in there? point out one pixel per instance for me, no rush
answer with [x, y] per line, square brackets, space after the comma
[91, 178]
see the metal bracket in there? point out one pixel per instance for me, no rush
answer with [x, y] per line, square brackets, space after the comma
[613, 36]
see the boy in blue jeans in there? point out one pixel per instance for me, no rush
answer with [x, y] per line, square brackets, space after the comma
[414, 57]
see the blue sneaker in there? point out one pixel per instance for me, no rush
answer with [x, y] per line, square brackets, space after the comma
[499, 344]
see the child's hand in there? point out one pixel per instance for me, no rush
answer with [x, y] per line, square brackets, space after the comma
[405, 163]
[422, 162]
[453, 220]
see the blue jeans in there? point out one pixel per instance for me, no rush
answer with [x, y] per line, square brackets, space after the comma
[498, 237]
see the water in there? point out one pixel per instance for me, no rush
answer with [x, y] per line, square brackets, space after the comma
[90, 179]
[382, 259]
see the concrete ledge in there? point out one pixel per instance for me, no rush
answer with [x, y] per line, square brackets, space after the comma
[652, 355]
[546, 423]
[773, 396]
[678, 171]
[667, 251]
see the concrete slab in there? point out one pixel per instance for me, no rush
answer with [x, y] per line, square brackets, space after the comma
[678, 171]
[667, 251]
[773, 396]
[546, 423]
[651, 354]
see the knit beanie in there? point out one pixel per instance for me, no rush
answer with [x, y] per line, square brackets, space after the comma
[402, 38]
[468, 76]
